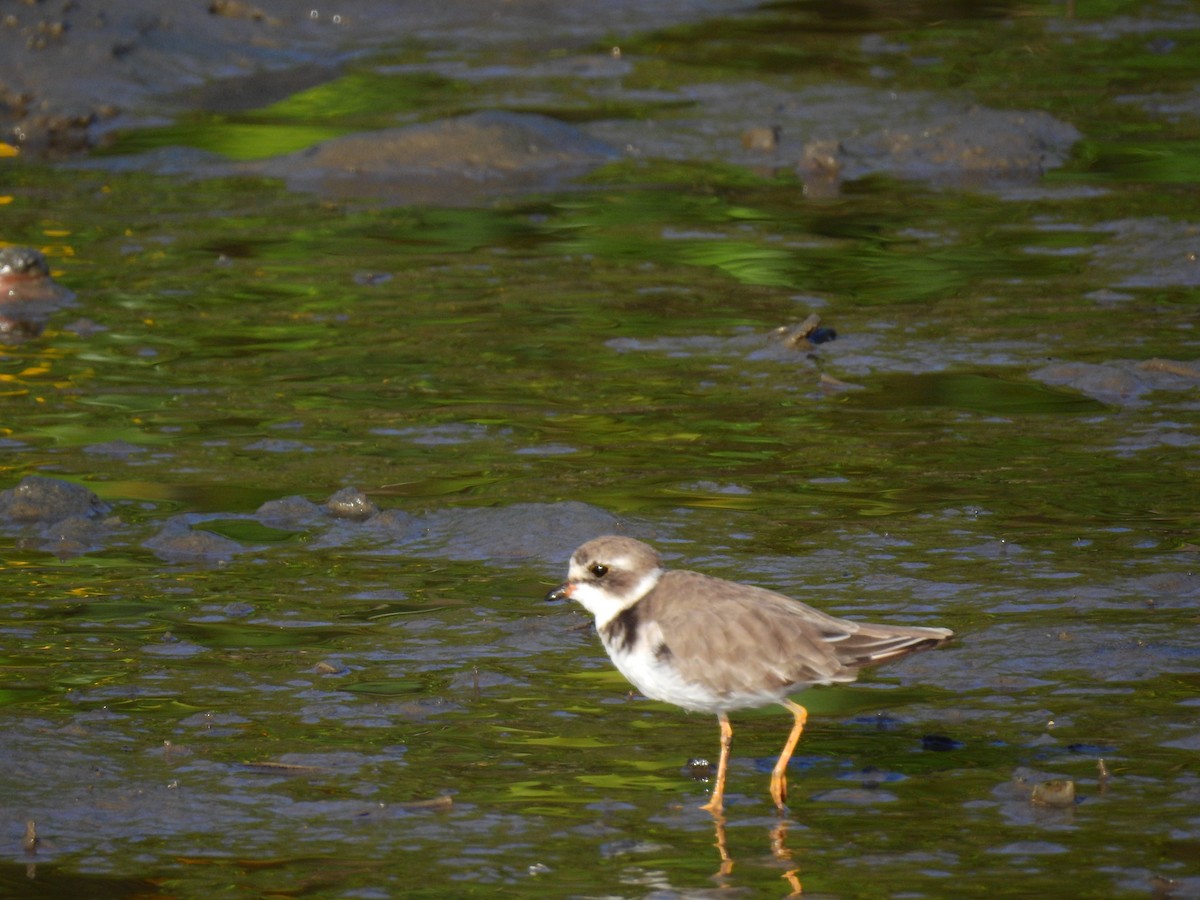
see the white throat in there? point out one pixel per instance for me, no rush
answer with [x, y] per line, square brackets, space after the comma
[605, 605]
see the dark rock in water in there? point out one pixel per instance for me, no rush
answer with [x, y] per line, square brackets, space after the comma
[1105, 382]
[47, 500]
[67, 519]
[484, 141]
[75, 535]
[179, 542]
[1122, 382]
[351, 503]
[940, 743]
[541, 531]
[289, 512]
[832, 134]
[28, 295]
[547, 532]
[1153, 252]
[973, 145]
[22, 262]
[454, 160]
[72, 67]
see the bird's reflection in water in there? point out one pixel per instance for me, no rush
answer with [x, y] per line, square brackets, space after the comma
[779, 849]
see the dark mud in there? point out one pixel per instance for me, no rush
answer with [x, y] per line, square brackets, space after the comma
[90, 72]
[67, 520]
[74, 71]
[453, 161]
[832, 134]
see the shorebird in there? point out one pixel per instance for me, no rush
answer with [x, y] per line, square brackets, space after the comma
[710, 645]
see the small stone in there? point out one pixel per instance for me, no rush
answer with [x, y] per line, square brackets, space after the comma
[351, 503]
[1059, 792]
[940, 743]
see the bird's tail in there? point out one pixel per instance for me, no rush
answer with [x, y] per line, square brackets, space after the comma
[871, 645]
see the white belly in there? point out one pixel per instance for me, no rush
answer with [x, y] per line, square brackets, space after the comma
[659, 680]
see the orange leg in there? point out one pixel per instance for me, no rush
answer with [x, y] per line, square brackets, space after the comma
[778, 774]
[716, 802]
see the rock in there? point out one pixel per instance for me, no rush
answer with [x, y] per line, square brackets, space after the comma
[1059, 792]
[75, 535]
[453, 160]
[28, 295]
[289, 512]
[179, 542]
[1106, 383]
[47, 500]
[351, 503]
[1121, 382]
[542, 531]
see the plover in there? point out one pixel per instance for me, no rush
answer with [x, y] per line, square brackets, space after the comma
[715, 646]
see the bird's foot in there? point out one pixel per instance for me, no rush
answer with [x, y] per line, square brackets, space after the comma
[779, 791]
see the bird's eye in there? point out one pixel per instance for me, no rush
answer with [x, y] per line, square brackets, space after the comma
[598, 570]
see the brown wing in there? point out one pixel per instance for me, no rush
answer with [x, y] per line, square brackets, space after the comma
[741, 639]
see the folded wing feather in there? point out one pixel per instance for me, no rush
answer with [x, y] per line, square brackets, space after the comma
[755, 641]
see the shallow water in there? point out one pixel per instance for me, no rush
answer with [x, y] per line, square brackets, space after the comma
[352, 708]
